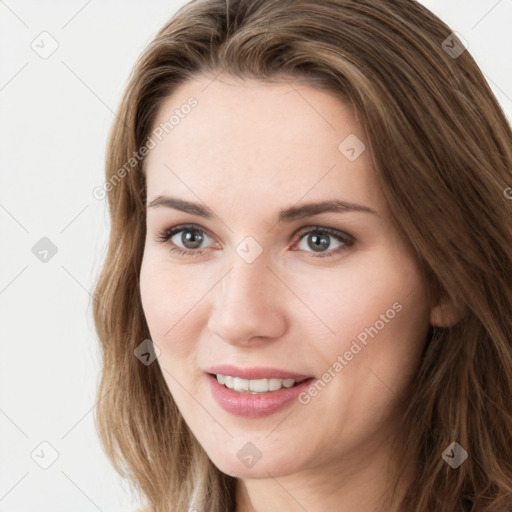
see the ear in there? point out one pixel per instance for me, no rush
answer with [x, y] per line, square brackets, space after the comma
[445, 314]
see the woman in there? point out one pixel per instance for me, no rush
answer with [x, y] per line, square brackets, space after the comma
[306, 299]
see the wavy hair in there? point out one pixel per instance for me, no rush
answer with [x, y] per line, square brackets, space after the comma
[442, 150]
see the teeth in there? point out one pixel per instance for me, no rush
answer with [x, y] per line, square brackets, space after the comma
[254, 386]
[274, 384]
[240, 384]
[261, 385]
[228, 381]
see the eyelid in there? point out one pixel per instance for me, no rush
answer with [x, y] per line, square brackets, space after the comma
[167, 233]
[342, 236]
[329, 230]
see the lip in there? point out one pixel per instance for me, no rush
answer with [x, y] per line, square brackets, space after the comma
[254, 373]
[258, 405]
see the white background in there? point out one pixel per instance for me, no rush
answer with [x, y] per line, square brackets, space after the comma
[55, 115]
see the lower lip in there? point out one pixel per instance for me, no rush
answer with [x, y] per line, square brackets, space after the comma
[258, 405]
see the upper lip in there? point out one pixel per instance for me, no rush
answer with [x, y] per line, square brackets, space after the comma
[260, 372]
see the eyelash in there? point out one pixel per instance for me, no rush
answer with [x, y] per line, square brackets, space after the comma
[347, 240]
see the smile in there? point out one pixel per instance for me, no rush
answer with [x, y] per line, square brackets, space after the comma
[255, 386]
[255, 398]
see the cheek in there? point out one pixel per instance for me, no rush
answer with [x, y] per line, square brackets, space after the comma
[170, 298]
[386, 330]
[164, 311]
[154, 297]
[163, 292]
[379, 315]
[375, 294]
[161, 300]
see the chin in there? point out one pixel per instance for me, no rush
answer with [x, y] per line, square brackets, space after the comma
[241, 466]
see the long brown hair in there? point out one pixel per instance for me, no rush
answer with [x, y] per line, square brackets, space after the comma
[443, 154]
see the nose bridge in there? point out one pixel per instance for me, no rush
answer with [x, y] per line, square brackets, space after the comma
[249, 274]
[246, 303]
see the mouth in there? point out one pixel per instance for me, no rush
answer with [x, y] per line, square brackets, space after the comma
[257, 386]
[257, 396]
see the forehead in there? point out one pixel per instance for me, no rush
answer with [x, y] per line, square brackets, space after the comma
[258, 142]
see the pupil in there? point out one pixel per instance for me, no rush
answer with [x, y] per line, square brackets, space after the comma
[319, 242]
[193, 238]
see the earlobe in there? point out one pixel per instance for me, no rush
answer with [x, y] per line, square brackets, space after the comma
[445, 314]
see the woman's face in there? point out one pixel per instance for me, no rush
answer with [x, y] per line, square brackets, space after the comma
[332, 295]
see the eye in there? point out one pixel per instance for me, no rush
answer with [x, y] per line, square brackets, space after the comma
[191, 237]
[319, 238]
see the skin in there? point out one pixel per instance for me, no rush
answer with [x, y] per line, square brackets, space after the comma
[247, 150]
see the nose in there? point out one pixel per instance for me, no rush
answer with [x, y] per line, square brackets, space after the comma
[249, 304]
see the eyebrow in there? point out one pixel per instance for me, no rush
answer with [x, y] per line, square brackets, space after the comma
[286, 215]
